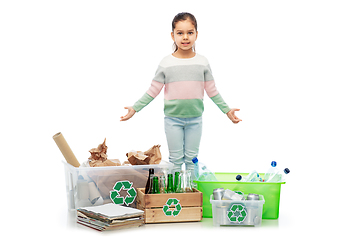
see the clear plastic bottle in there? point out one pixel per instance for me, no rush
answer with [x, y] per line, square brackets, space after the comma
[279, 176]
[271, 172]
[202, 173]
[252, 177]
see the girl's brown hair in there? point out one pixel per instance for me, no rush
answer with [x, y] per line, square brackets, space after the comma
[182, 17]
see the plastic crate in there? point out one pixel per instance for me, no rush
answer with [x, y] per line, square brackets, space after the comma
[237, 212]
[270, 191]
[89, 186]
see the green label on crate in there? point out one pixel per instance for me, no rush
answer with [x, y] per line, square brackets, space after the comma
[236, 213]
[123, 185]
[175, 210]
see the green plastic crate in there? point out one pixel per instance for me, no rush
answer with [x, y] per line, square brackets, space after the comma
[270, 191]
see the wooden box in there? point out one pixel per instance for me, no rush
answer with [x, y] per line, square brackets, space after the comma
[170, 207]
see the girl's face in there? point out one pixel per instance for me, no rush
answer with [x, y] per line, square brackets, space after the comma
[184, 35]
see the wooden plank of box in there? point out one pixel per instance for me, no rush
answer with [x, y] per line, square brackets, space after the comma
[161, 208]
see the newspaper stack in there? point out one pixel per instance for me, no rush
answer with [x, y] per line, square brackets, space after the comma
[110, 217]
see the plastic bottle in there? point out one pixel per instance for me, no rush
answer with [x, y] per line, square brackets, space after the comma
[279, 176]
[202, 173]
[252, 177]
[271, 172]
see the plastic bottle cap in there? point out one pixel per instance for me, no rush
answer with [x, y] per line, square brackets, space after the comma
[238, 177]
[286, 170]
[195, 160]
[273, 163]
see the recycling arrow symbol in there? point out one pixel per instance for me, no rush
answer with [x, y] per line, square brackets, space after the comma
[115, 193]
[236, 213]
[166, 208]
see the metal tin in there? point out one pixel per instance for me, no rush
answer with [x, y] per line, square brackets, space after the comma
[231, 195]
[218, 193]
[252, 209]
[252, 196]
[222, 210]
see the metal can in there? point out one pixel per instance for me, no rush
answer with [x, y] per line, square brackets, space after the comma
[252, 196]
[231, 195]
[218, 193]
[252, 209]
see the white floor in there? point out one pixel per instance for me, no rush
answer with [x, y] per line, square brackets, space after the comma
[295, 219]
[204, 227]
[300, 216]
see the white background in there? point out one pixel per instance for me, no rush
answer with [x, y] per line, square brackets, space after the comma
[292, 67]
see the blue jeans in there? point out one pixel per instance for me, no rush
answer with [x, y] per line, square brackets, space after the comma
[183, 137]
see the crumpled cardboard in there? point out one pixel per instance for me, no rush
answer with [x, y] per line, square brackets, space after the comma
[98, 157]
[106, 163]
[105, 179]
[151, 156]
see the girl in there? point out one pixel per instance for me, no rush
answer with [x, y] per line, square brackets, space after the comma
[185, 75]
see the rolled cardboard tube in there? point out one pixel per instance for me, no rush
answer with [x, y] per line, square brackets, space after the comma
[65, 149]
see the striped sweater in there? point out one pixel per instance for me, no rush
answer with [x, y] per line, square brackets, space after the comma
[185, 80]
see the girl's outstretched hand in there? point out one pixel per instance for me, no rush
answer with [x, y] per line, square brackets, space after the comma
[231, 115]
[130, 113]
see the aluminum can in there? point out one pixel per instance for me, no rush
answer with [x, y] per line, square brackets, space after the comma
[218, 193]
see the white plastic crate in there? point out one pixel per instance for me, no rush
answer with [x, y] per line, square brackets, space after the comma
[237, 212]
[90, 186]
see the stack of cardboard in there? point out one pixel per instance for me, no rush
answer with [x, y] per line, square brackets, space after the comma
[110, 217]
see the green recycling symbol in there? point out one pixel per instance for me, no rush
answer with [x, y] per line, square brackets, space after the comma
[168, 211]
[237, 213]
[115, 193]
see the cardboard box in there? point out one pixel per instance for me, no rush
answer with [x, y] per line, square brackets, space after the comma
[170, 207]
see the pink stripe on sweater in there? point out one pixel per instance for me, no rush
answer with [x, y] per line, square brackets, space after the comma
[184, 90]
[155, 88]
[210, 88]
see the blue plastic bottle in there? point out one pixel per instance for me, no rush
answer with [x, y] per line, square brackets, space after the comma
[202, 173]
